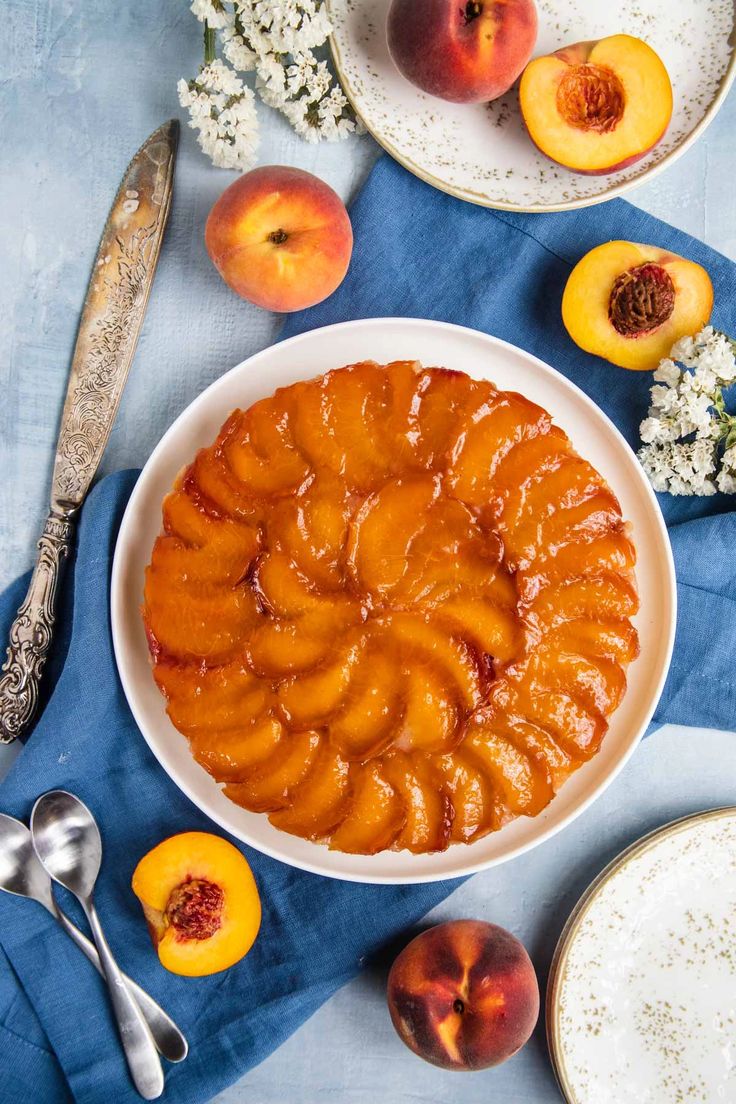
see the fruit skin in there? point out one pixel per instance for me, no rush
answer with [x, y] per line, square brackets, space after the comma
[189, 857]
[645, 82]
[280, 237]
[585, 303]
[447, 51]
[464, 995]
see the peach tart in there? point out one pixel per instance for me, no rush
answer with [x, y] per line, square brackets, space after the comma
[390, 608]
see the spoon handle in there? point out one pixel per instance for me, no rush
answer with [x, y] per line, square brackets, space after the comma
[140, 1050]
[170, 1041]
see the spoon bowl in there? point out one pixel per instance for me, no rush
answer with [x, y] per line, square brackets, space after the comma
[67, 841]
[21, 872]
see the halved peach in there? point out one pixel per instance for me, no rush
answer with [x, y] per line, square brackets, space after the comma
[629, 303]
[596, 107]
[201, 903]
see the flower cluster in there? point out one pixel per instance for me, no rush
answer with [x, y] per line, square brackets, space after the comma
[689, 438]
[275, 40]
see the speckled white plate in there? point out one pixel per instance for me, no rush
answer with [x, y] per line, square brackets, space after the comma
[481, 152]
[641, 1002]
[439, 343]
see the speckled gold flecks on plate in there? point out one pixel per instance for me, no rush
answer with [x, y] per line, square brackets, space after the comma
[481, 152]
[641, 1001]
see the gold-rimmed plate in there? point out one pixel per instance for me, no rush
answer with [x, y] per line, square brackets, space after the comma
[481, 152]
[640, 999]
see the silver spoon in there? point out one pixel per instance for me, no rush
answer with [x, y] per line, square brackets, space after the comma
[22, 874]
[67, 841]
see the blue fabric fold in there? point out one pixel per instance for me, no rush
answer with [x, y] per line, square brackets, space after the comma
[420, 253]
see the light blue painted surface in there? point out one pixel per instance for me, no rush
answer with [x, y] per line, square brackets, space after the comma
[81, 85]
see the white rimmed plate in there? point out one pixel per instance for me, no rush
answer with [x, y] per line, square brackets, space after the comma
[433, 343]
[641, 1001]
[481, 152]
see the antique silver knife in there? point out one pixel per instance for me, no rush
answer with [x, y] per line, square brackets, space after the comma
[108, 332]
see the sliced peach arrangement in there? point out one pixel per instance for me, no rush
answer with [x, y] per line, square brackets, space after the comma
[201, 903]
[597, 107]
[630, 303]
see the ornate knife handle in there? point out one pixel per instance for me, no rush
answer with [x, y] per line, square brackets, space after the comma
[30, 633]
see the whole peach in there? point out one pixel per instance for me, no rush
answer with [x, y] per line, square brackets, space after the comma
[464, 52]
[280, 237]
[463, 995]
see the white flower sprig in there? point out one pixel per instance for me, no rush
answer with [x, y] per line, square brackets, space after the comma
[689, 438]
[275, 41]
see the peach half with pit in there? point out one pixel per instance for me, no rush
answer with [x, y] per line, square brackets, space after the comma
[200, 901]
[464, 995]
[629, 303]
[597, 107]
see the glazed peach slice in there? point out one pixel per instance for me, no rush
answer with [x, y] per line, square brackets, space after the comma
[383, 529]
[340, 422]
[522, 785]
[432, 709]
[318, 804]
[210, 699]
[279, 649]
[375, 814]
[416, 634]
[441, 399]
[499, 424]
[270, 784]
[312, 528]
[540, 747]
[491, 629]
[187, 622]
[613, 551]
[261, 452]
[367, 720]
[285, 592]
[211, 479]
[571, 725]
[311, 699]
[597, 107]
[525, 464]
[201, 903]
[232, 755]
[615, 639]
[476, 809]
[601, 597]
[426, 803]
[629, 303]
[598, 683]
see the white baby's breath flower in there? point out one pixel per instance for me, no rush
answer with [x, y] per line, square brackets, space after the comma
[222, 112]
[667, 372]
[726, 482]
[212, 12]
[688, 423]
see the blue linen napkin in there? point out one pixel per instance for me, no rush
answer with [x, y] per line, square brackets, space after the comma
[420, 253]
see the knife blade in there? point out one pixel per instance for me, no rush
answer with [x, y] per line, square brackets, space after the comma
[109, 327]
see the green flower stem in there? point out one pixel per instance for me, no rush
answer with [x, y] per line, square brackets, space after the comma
[210, 44]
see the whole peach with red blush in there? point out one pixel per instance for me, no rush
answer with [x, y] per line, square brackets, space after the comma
[280, 237]
[465, 52]
[463, 995]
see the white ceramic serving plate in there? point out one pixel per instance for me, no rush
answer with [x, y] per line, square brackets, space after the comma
[481, 152]
[641, 1003]
[433, 343]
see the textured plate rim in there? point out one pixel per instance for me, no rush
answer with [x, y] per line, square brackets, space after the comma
[540, 208]
[574, 921]
[117, 614]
